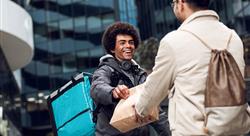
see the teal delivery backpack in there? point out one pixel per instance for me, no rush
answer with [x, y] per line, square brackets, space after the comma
[71, 108]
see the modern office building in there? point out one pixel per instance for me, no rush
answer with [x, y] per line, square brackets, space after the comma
[155, 18]
[16, 51]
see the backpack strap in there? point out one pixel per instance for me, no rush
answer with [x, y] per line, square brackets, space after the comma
[204, 43]
[96, 111]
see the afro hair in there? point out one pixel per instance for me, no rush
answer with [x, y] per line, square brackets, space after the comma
[109, 36]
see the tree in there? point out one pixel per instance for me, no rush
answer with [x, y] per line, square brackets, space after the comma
[146, 52]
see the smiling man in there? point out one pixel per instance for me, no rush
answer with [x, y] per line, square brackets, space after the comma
[116, 73]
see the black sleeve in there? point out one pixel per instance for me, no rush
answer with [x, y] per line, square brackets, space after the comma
[101, 89]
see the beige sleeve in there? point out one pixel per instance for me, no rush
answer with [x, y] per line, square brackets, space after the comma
[159, 82]
[239, 56]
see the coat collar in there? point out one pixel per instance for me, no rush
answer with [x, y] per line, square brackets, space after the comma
[103, 58]
[197, 14]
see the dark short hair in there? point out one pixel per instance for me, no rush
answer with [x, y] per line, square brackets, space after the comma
[199, 3]
[109, 36]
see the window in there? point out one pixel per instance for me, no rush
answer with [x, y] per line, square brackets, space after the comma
[69, 63]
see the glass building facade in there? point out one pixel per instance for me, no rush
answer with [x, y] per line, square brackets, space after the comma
[127, 11]
[155, 18]
[10, 99]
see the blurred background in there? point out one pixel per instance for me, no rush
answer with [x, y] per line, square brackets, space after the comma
[43, 43]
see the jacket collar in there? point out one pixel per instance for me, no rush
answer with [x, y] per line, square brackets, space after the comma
[103, 58]
[198, 14]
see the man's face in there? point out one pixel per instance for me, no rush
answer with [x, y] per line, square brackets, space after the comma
[124, 47]
[177, 10]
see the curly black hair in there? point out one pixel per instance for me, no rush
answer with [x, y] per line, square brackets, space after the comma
[199, 3]
[109, 36]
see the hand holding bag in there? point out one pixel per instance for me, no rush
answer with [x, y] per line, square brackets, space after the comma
[124, 117]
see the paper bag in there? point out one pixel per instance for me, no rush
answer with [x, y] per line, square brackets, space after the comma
[123, 117]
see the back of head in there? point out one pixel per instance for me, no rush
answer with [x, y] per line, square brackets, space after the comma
[109, 36]
[200, 4]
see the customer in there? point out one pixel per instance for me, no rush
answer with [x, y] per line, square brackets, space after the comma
[181, 67]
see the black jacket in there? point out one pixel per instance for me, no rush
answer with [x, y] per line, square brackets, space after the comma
[104, 80]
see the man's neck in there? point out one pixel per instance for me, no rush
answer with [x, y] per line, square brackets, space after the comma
[121, 60]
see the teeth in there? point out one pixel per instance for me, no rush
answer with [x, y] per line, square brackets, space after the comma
[127, 51]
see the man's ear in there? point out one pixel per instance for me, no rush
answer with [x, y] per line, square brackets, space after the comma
[112, 51]
[182, 2]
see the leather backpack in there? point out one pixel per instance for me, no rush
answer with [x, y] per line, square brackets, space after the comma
[226, 108]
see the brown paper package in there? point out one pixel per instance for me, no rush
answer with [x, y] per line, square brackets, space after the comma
[123, 117]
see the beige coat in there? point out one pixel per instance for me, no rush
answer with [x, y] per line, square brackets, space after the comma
[182, 62]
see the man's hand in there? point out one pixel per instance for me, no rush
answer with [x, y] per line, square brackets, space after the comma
[140, 119]
[121, 92]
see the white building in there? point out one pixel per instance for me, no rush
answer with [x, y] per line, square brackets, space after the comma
[16, 51]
